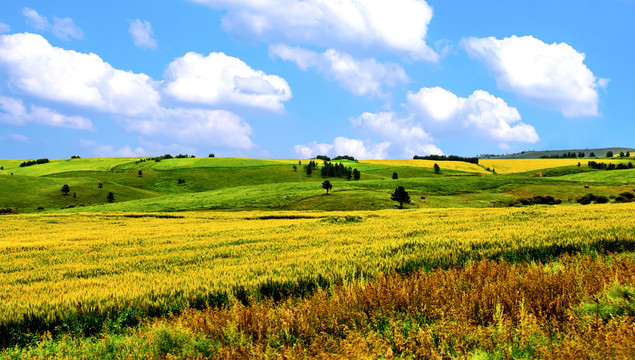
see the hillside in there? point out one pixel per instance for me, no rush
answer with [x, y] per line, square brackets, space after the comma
[548, 153]
[274, 184]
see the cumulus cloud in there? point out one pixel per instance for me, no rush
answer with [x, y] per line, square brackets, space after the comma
[42, 70]
[481, 114]
[390, 126]
[14, 112]
[15, 137]
[398, 25]
[4, 28]
[145, 148]
[360, 77]
[421, 150]
[220, 79]
[402, 130]
[141, 33]
[63, 28]
[344, 146]
[100, 150]
[553, 76]
[196, 126]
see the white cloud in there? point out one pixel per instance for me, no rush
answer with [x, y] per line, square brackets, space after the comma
[100, 150]
[360, 77]
[421, 150]
[344, 146]
[141, 32]
[390, 126]
[35, 68]
[398, 25]
[481, 114]
[62, 28]
[52, 73]
[401, 130]
[13, 111]
[4, 28]
[15, 137]
[552, 76]
[196, 126]
[35, 20]
[220, 79]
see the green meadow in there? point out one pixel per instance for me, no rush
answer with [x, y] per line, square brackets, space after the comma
[242, 184]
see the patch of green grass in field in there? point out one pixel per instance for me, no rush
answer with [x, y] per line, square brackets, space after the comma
[63, 165]
[612, 177]
[27, 193]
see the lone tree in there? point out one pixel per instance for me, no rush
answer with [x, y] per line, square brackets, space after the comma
[110, 197]
[295, 168]
[308, 170]
[100, 186]
[66, 189]
[356, 174]
[326, 185]
[395, 176]
[437, 169]
[401, 195]
[609, 154]
[140, 173]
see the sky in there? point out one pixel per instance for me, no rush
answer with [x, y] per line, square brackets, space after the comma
[374, 79]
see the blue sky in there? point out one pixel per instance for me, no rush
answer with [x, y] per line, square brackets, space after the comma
[291, 78]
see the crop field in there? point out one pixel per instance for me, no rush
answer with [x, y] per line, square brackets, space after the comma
[507, 166]
[249, 258]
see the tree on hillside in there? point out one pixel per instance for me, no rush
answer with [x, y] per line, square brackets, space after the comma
[401, 195]
[100, 186]
[395, 176]
[609, 154]
[295, 168]
[592, 154]
[628, 154]
[110, 197]
[580, 154]
[211, 155]
[437, 169]
[140, 173]
[326, 185]
[66, 189]
[621, 154]
[308, 169]
[356, 174]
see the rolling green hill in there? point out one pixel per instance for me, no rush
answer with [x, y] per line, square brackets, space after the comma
[243, 184]
[537, 154]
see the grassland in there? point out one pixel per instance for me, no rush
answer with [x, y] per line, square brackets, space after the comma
[208, 268]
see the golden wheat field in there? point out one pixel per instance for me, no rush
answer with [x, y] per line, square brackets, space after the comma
[508, 166]
[54, 265]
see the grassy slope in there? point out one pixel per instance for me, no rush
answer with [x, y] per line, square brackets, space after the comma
[538, 154]
[225, 183]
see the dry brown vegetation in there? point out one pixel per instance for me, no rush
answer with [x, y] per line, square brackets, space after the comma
[486, 310]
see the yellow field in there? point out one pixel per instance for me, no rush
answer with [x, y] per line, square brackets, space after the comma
[506, 166]
[53, 265]
[449, 165]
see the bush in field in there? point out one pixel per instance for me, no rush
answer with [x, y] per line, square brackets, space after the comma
[66, 189]
[395, 176]
[110, 197]
[436, 168]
